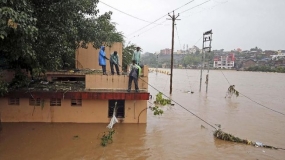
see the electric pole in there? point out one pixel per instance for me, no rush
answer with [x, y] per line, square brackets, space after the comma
[207, 36]
[173, 18]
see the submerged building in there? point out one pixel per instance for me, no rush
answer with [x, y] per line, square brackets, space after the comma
[82, 95]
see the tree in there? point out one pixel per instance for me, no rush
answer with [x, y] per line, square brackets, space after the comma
[128, 52]
[44, 34]
[17, 33]
[67, 25]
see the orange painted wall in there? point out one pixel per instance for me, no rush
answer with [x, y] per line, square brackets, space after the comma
[88, 58]
[91, 111]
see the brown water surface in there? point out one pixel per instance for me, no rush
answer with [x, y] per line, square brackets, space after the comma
[177, 134]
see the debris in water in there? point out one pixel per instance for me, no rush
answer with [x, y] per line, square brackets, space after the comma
[231, 91]
[107, 138]
[228, 137]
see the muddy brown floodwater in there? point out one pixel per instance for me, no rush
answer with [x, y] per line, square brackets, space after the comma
[176, 134]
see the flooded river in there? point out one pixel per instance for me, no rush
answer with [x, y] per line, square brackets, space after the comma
[176, 134]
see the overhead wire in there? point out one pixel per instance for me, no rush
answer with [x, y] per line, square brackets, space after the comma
[195, 6]
[158, 19]
[254, 100]
[181, 105]
[212, 7]
[124, 12]
[148, 29]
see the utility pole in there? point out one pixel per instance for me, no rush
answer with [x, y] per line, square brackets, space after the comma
[208, 74]
[207, 36]
[173, 18]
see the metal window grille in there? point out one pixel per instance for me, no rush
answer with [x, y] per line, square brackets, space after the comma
[13, 101]
[35, 102]
[55, 102]
[120, 113]
[76, 102]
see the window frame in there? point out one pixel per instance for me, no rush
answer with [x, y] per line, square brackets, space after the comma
[55, 102]
[120, 110]
[35, 101]
[13, 101]
[77, 102]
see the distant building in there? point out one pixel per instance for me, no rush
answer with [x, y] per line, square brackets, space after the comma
[268, 53]
[179, 52]
[248, 63]
[165, 51]
[193, 50]
[226, 62]
[281, 54]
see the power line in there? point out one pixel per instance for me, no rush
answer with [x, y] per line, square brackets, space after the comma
[125, 13]
[198, 40]
[183, 5]
[181, 105]
[159, 18]
[195, 6]
[254, 100]
[210, 8]
[147, 25]
[149, 29]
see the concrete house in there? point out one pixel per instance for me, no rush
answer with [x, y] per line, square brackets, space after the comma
[83, 95]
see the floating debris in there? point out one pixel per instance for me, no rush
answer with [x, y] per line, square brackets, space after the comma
[76, 137]
[228, 137]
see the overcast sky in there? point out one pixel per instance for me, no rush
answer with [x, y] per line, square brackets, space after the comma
[235, 23]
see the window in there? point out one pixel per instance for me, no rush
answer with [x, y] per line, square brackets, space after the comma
[120, 111]
[35, 102]
[55, 102]
[13, 101]
[76, 102]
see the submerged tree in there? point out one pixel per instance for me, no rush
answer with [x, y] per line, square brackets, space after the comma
[232, 91]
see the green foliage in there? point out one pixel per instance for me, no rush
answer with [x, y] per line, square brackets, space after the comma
[278, 69]
[192, 59]
[151, 60]
[160, 100]
[3, 87]
[128, 52]
[43, 35]
[157, 111]
[18, 33]
[19, 81]
[107, 138]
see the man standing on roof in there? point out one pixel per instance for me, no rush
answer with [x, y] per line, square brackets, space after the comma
[102, 59]
[134, 74]
[137, 56]
[114, 60]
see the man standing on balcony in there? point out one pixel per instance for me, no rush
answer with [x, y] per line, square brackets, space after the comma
[102, 59]
[114, 60]
[137, 56]
[134, 74]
